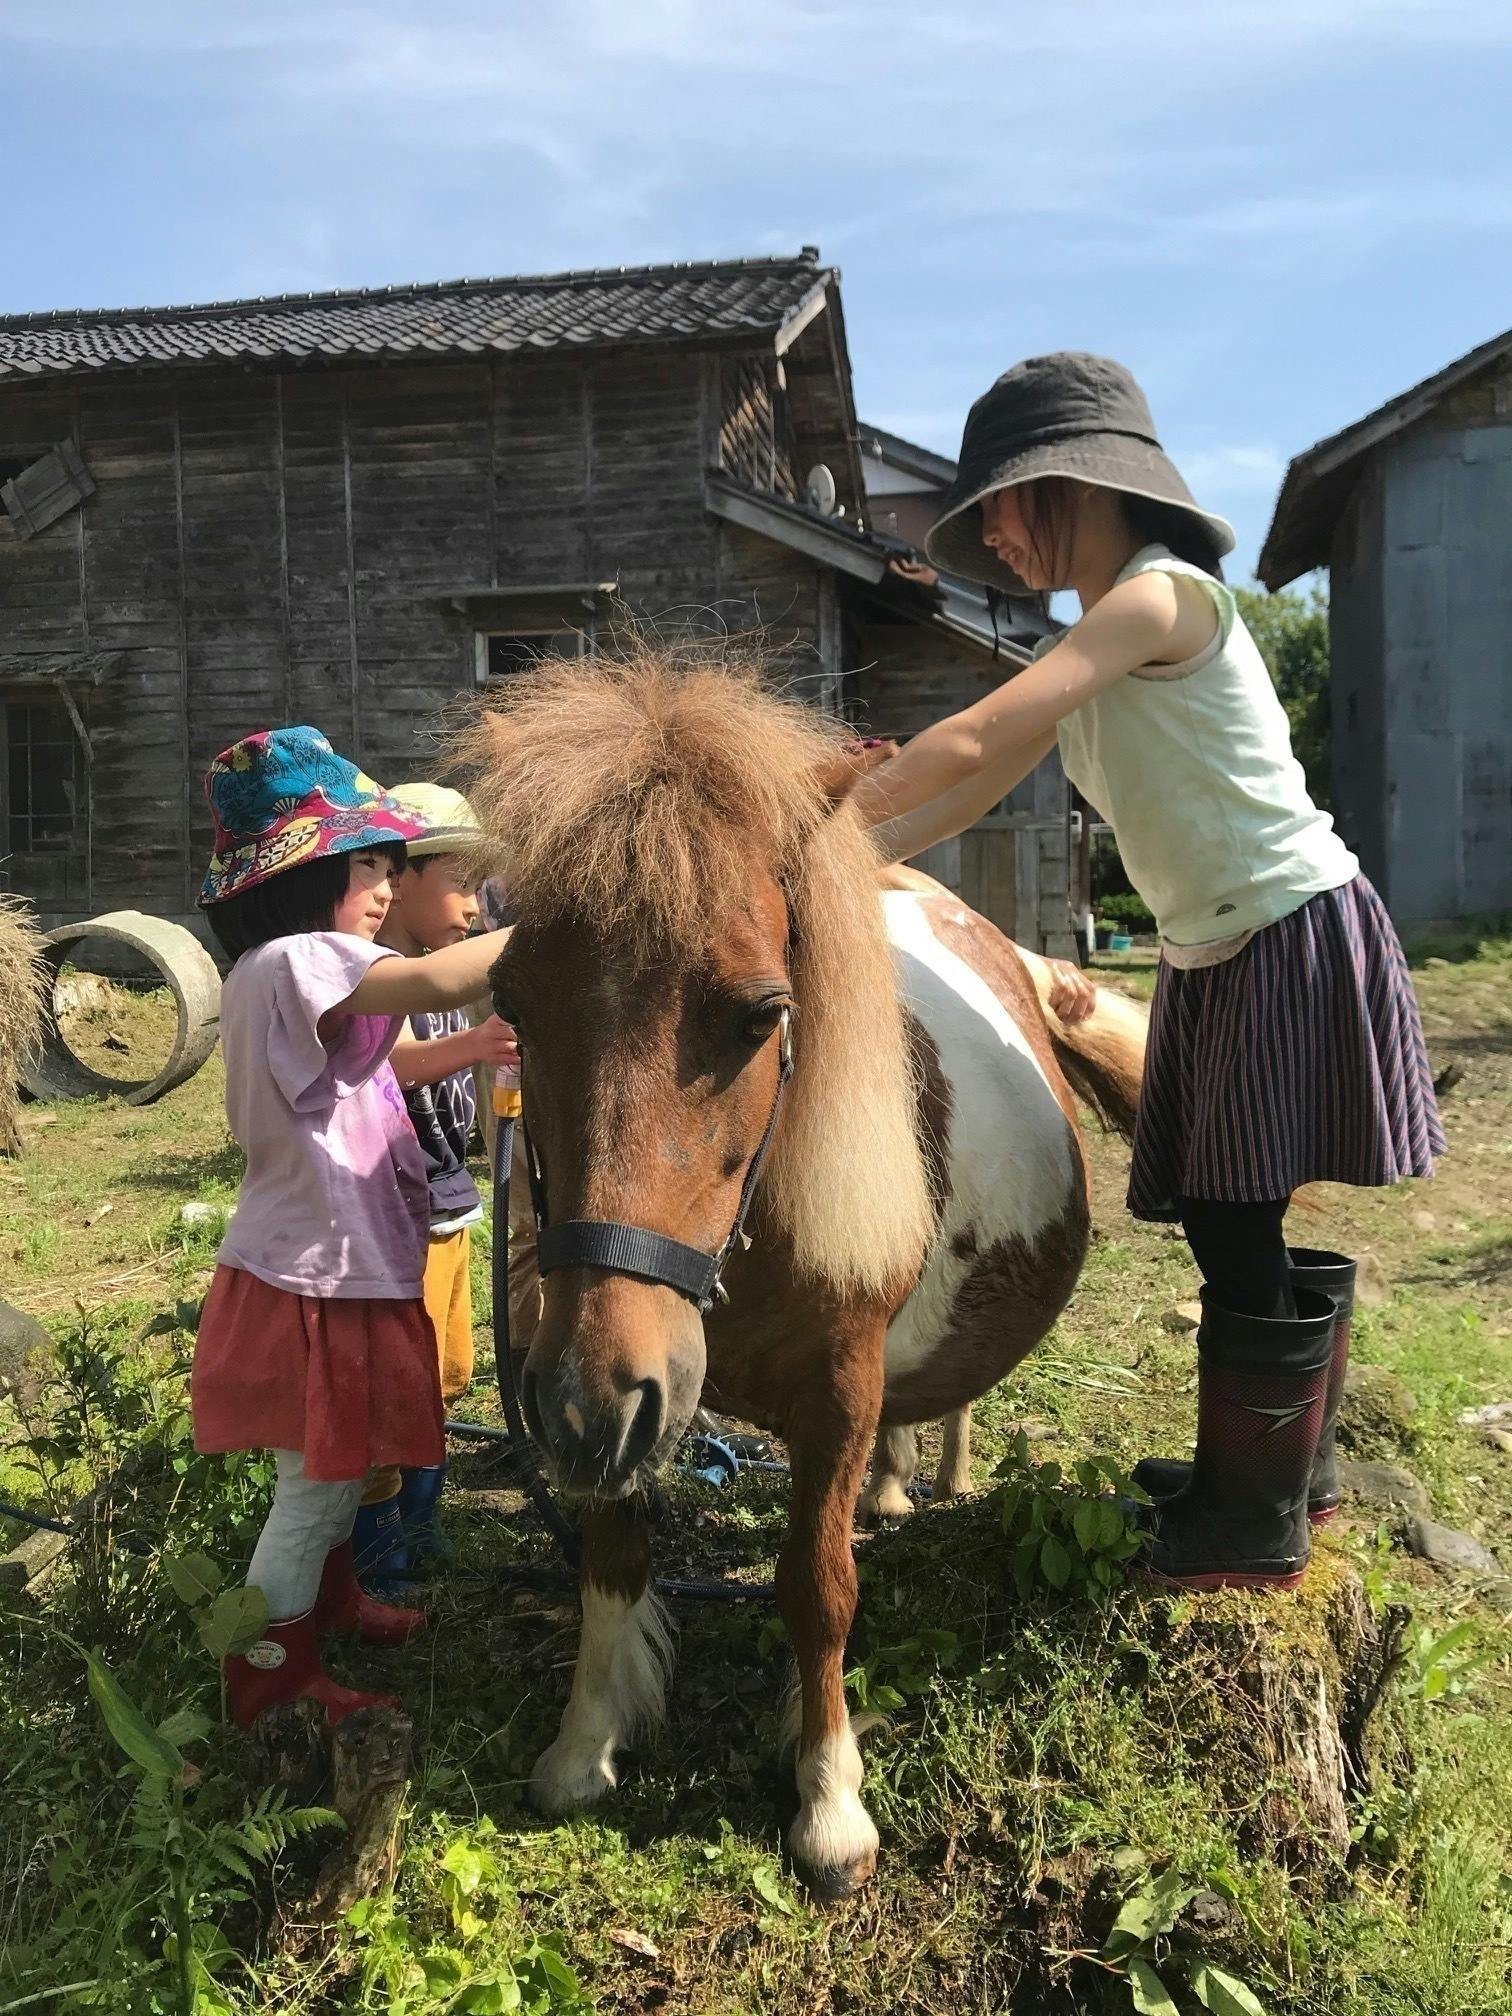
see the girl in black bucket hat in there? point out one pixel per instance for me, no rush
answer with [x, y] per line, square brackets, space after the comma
[1285, 1046]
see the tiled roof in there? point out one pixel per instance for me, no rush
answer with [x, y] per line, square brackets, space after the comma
[450, 318]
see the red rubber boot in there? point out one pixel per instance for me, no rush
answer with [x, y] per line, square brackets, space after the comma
[283, 1665]
[344, 1605]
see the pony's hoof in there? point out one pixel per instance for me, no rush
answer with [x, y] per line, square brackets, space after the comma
[887, 1500]
[834, 1847]
[568, 1779]
[832, 1883]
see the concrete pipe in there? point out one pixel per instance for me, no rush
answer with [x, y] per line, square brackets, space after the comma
[188, 969]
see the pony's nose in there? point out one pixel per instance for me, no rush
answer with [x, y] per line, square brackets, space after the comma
[597, 1446]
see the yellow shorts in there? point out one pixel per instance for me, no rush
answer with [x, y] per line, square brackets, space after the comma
[448, 1303]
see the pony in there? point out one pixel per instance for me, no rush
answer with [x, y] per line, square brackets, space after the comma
[704, 970]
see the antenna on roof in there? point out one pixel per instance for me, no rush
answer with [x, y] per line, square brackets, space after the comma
[819, 488]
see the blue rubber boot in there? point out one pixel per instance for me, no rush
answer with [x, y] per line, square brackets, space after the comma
[419, 1496]
[381, 1553]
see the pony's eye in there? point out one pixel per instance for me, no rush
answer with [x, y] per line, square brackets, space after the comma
[762, 1023]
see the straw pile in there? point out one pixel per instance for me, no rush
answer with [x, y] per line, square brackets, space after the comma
[23, 1004]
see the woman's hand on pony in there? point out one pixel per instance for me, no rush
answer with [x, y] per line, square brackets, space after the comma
[1072, 995]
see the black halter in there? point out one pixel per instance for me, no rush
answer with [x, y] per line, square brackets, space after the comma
[651, 1256]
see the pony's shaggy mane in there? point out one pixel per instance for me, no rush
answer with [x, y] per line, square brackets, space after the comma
[635, 796]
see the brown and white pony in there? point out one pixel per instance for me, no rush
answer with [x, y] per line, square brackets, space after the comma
[686, 871]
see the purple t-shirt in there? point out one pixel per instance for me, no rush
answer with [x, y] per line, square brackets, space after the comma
[334, 1201]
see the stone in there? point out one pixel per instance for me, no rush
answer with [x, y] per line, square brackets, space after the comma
[1385, 1485]
[1372, 1289]
[1447, 1549]
[1500, 1438]
[1376, 1411]
[1493, 1416]
[1184, 1318]
[192, 1216]
[23, 1340]
[1210, 1916]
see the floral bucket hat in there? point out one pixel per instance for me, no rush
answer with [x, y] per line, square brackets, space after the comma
[284, 797]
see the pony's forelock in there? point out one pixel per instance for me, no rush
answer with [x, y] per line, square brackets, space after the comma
[634, 796]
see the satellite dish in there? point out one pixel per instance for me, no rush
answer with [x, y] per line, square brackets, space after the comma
[821, 492]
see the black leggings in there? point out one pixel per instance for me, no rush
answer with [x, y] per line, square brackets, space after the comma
[1240, 1250]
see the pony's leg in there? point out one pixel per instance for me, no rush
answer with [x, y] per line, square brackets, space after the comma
[894, 1460]
[833, 1839]
[624, 1658]
[953, 1478]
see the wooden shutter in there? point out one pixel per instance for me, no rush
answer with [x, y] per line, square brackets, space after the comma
[52, 486]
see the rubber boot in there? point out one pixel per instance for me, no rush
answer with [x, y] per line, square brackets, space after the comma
[385, 1565]
[344, 1605]
[1241, 1522]
[283, 1665]
[1333, 1274]
[419, 1496]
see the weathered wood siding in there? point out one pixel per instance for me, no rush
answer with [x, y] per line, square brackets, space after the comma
[1422, 642]
[263, 548]
[1015, 865]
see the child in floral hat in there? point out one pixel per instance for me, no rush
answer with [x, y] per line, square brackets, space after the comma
[314, 1341]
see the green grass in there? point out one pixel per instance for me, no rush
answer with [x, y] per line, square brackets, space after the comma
[1044, 1756]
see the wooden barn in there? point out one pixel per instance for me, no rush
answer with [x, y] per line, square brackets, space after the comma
[1410, 510]
[351, 508]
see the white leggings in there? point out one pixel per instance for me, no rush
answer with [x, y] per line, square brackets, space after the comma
[308, 1519]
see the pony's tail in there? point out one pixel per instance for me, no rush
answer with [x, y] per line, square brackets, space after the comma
[1103, 1055]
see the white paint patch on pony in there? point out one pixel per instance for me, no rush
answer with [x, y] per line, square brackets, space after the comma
[1012, 1159]
[619, 1687]
[833, 1830]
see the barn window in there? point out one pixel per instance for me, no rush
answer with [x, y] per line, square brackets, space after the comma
[503, 654]
[44, 777]
[41, 490]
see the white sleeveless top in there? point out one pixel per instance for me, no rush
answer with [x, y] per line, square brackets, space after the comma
[1192, 767]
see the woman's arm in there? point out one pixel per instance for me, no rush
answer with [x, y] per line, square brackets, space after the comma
[953, 811]
[1137, 623]
[440, 980]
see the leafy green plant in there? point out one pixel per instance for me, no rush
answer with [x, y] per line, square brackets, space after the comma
[1443, 1665]
[228, 1621]
[1291, 631]
[895, 1674]
[183, 1867]
[1139, 1939]
[1071, 1540]
[1125, 911]
[404, 1972]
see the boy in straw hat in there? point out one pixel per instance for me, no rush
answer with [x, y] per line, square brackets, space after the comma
[435, 904]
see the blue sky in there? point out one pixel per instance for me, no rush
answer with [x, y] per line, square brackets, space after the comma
[1279, 214]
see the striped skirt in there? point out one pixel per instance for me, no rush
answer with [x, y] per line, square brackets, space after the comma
[1300, 1060]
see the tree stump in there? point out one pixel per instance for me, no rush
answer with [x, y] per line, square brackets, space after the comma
[1279, 1696]
[370, 1769]
[361, 1769]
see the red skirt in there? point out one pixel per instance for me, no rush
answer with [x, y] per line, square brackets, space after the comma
[350, 1383]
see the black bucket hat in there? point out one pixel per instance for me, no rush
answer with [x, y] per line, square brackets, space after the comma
[1065, 415]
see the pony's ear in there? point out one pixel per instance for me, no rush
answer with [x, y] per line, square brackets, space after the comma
[840, 775]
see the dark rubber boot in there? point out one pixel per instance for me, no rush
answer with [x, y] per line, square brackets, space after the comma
[385, 1566]
[1241, 1522]
[1333, 1274]
[419, 1498]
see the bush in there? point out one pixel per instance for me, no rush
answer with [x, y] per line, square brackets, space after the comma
[1129, 912]
[1291, 632]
